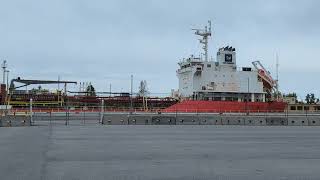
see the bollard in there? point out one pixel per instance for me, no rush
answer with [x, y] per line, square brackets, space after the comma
[102, 111]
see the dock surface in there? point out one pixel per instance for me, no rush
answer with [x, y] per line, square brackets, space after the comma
[99, 152]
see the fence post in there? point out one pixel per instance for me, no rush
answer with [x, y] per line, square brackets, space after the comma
[31, 113]
[84, 115]
[102, 111]
[67, 115]
[50, 117]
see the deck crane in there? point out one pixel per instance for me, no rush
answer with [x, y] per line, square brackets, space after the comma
[27, 82]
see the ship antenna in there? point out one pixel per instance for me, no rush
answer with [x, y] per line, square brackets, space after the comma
[204, 33]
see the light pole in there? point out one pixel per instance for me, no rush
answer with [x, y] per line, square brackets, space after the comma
[247, 110]
[7, 71]
[4, 66]
[131, 103]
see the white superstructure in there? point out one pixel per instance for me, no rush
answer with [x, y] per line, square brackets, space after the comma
[203, 79]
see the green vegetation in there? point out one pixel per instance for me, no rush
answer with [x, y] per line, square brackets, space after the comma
[311, 99]
[90, 90]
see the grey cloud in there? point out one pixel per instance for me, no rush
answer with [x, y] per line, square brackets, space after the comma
[93, 40]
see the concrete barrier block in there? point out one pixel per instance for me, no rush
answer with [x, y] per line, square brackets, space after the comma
[214, 119]
[15, 121]
[313, 120]
[260, 121]
[187, 120]
[210, 119]
[250, 121]
[163, 120]
[297, 121]
[140, 119]
[115, 119]
[276, 121]
[255, 120]
[204, 121]
[232, 120]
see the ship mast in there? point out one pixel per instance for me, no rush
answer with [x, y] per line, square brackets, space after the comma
[204, 33]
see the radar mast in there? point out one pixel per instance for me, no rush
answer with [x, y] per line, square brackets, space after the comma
[204, 33]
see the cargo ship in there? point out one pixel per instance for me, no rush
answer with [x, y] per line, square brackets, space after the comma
[208, 85]
[205, 85]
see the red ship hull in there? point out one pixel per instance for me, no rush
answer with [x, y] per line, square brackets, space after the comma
[226, 107]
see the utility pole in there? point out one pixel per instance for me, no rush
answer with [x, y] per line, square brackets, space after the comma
[58, 83]
[131, 103]
[110, 89]
[277, 74]
[248, 94]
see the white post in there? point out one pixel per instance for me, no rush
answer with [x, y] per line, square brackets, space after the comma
[102, 111]
[31, 113]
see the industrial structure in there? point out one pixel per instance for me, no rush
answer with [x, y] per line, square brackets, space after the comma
[13, 97]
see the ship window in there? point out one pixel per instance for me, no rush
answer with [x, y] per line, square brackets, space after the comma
[209, 65]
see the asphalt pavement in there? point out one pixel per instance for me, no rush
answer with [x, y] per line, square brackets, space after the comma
[134, 152]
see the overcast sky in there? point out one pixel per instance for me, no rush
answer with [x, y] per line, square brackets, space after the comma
[105, 41]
